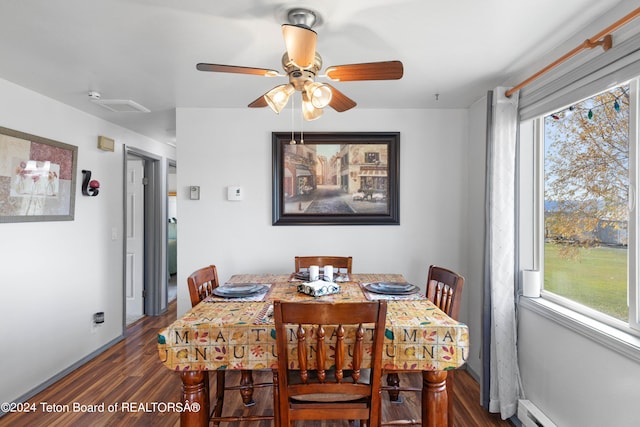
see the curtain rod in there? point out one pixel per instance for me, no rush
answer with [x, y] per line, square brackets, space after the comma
[603, 38]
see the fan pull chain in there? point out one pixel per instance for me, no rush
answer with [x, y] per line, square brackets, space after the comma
[293, 140]
[301, 126]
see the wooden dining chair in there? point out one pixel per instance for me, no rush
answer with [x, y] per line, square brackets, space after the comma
[321, 379]
[201, 284]
[444, 289]
[339, 263]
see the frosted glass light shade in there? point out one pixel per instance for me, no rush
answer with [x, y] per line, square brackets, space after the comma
[318, 93]
[309, 112]
[278, 97]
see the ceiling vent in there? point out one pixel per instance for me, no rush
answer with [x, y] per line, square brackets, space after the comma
[118, 105]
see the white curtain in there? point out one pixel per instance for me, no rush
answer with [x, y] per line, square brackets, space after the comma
[505, 377]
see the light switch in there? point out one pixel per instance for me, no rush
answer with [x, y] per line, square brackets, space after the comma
[234, 193]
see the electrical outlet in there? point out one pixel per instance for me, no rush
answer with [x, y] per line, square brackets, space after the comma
[97, 319]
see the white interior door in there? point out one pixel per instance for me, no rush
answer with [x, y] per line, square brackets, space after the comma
[134, 283]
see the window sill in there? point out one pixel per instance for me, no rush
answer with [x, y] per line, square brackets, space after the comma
[622, 342]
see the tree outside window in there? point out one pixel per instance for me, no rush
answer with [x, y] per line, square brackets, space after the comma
[586, 183]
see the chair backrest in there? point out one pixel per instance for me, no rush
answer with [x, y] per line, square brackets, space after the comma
[339, 263]
[325, 367]
[201, 283]
[444, 289]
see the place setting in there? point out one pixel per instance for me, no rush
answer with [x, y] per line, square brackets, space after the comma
[391, 290]
[241, 291]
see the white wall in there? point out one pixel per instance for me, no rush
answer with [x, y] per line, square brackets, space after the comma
[575, 381]
[220, 147]
[55, 275]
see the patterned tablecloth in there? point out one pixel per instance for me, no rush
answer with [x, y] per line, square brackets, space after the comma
[238, 334]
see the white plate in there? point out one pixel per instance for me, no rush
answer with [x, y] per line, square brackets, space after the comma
[238, 290]
[391, 288]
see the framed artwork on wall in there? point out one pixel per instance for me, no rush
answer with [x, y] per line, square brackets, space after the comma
[336, 178]
[37, 178]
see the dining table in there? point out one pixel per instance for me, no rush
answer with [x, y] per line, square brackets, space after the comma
[237, 332]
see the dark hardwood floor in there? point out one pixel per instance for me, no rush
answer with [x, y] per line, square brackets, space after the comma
[127, 385]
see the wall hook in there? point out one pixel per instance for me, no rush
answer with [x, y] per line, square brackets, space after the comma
[89, 187]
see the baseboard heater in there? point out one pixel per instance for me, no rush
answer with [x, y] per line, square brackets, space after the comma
[530, 416]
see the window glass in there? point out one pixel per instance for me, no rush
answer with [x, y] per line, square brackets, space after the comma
[586, 182]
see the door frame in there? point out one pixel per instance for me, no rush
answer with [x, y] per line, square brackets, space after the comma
[170, 163]
[155, 280]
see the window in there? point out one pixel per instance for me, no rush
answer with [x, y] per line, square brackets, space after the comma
[372, 157]
[587, 242]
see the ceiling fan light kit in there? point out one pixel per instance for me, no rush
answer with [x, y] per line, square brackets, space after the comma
[309, 111]
[302, 64]
[278, 97]
[319, 94]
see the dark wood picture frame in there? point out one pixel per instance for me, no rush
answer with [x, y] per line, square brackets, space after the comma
[336, 178]
[37, 178]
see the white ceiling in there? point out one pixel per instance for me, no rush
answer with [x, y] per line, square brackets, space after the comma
[146, 50]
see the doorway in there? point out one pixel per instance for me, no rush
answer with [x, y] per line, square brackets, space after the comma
[134, 291]
[145, 285]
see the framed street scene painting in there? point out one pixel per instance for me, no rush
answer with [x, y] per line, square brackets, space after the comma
[336, 178]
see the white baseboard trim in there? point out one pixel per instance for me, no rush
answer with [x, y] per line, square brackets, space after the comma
[530, 416]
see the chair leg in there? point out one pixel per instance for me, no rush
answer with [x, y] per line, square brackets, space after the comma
[206, 385]
[246, 381]
[217, 410]
[277, 418]
[393, 381]
[207, 390]
[449, 387]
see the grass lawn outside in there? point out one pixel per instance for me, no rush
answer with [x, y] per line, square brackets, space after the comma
[597, 278]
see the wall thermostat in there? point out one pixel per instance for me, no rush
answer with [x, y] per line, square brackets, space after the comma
[234, 193]
[194, 193]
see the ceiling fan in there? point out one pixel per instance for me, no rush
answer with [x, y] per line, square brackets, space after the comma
[302, 64]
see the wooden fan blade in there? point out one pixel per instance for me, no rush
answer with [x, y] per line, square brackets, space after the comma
[259, 103]
[301, 44]
[388, 70]
[339, 101]
[218, 68]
